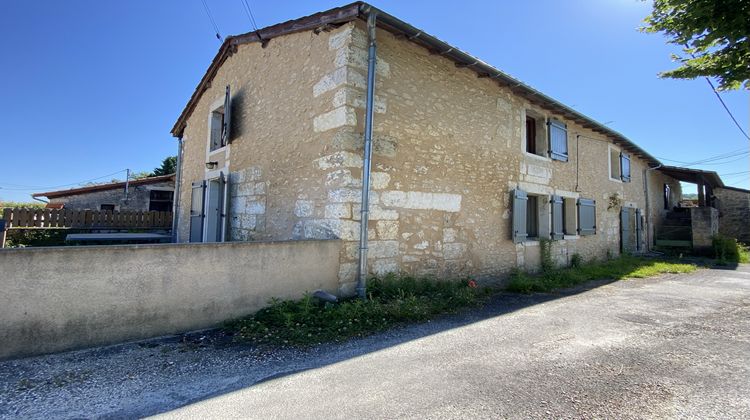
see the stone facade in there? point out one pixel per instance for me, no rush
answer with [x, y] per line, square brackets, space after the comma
[734, 212]
[705, 225]
[138, 198]
[447, 149]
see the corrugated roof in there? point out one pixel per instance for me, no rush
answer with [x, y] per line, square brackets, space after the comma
[105, 187]
[360, 10]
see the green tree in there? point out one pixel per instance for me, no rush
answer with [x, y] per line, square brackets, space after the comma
[713, 35]
[168, 166]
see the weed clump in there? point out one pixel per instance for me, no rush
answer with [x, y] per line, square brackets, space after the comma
[392, 300]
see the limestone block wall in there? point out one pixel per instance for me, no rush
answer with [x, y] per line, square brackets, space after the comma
[734, 212]
[269, 162]
[448, 147]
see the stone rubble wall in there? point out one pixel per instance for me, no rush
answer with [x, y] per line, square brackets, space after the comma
[734, 213]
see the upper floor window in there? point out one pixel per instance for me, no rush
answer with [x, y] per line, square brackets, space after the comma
[219, 123]
[558, 140]
[619, 165]
[535, 141]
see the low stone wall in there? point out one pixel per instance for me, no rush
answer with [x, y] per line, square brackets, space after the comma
[56, 299]
[734, 212]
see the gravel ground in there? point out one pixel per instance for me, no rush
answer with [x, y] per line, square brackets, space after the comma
[676, 346]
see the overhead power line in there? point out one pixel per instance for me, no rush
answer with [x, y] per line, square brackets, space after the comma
[211, 18]
[37, 187]
[249, 13]
[726, 108]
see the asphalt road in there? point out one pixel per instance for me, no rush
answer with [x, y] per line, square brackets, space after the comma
[675, 346]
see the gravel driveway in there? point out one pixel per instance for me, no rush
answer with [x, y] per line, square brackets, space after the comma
[675, 346]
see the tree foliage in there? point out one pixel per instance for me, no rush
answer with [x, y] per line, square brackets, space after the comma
[168, 166]
[713, 35]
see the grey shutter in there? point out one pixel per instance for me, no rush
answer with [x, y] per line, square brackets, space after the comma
[625, 230]
[196, 211]
[624, 167]
[221, 209]
[638, 229]
[227, 125]
[558, 140]
[519, 198]
[586, 217]
[558, 217]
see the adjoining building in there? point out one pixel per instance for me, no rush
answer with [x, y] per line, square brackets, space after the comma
[145, 194]
[470, 168]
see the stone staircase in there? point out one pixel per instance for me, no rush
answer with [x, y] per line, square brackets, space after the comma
[676, 231]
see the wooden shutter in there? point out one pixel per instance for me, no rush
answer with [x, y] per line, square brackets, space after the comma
[624, 167]
[638, 229]
[519, 199]
[227, 124]
[586, 217]
[625, 230]
[558, 217]
[196, 211]
[221, 226]
[558, 140]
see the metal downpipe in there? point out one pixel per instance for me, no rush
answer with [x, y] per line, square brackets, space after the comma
[176, 198]
[367, 158]
[651, 231]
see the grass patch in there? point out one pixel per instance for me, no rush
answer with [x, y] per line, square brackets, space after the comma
[728, 250]
[619, 268]
[391, 301]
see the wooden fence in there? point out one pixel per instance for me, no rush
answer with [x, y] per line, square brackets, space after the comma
[85, 219]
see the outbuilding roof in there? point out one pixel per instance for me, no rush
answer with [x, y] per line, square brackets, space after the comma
[693, 176]
[105, 187]
[401, 29]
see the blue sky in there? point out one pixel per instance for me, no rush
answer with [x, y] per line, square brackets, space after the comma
[90, 88]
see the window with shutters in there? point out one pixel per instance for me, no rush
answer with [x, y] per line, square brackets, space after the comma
[586, 217]
[219, 124]
[535, 140]
[558, 140]
[531, 216]
[619, 165]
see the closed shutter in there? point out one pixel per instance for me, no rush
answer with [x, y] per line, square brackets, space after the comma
[227, 124]
[196, 211]
[626, 237]
[586, 217]
[638, 229]
[222, 209]
[558, 217]
[558, 140]
[519, 199]
[624, 167]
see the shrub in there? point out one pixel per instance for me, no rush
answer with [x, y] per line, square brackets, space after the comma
[728, 250]
[391, 301]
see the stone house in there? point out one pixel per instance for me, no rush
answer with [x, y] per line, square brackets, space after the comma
[146, 194]
[469, 167]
